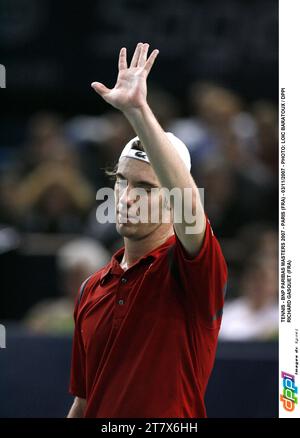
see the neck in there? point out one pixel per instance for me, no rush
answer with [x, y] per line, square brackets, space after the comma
[134, 249]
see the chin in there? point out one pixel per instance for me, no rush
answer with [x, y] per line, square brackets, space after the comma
[127, 230]
[132, 231]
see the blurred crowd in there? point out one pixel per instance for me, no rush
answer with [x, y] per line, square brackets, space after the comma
[48, 186]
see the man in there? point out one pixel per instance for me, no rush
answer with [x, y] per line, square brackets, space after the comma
[146, 324]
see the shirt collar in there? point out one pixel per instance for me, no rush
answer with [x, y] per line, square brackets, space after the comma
[114, 268]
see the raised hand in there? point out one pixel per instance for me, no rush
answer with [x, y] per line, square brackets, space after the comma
[130, 91]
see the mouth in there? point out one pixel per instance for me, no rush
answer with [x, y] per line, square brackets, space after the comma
[126, 219]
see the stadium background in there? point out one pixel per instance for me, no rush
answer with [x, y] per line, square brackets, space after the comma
[215, 84]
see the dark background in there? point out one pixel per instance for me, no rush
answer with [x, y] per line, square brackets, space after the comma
[53, 50]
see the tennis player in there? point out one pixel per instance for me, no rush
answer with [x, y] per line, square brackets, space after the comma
[146, 324]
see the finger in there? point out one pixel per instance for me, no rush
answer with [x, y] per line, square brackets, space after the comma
[143, 55]
[100, 88]
[123, 59]
[136, 55]
[151, 60]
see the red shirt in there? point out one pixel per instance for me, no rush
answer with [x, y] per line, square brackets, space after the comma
[145, 338]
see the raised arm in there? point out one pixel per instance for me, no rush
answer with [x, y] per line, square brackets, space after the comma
[129, 95]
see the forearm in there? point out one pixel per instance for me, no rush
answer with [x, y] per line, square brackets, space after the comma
[165, 160]
[171, 172]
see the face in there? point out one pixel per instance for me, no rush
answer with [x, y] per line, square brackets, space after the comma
[130, 202]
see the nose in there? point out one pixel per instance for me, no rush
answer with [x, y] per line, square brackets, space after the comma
[126, 197]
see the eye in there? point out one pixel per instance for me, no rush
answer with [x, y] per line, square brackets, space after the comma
[147, 189]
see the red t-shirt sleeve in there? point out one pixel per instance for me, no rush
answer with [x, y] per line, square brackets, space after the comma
[203, 278]
[77, 385]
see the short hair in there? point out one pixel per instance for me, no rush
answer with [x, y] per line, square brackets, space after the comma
[137, 145]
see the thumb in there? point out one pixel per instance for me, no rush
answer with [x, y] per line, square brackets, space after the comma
[100, 88]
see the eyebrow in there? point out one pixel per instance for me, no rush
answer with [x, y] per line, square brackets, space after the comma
[141, 182]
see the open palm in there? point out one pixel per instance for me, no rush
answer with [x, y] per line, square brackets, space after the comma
[130, 90]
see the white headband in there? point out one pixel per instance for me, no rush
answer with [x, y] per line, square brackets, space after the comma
[141, 155]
